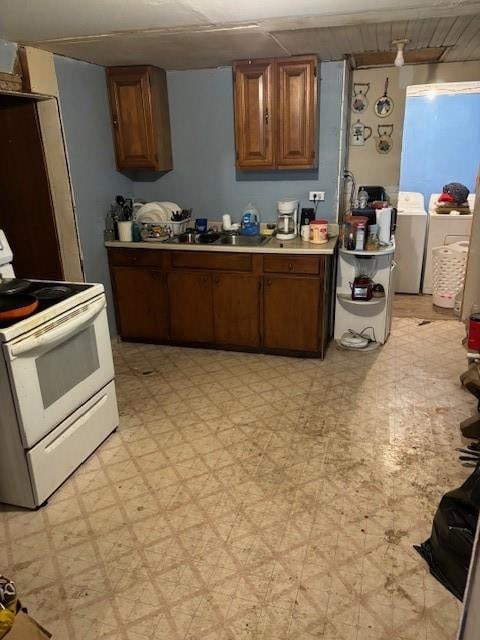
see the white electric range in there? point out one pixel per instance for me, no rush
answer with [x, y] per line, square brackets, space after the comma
[57, 392]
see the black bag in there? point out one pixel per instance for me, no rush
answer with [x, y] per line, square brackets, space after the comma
[449, 548]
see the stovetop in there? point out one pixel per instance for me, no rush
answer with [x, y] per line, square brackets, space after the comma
[71, 289]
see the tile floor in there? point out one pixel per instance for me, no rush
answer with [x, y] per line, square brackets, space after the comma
[255, 497]
[421, 306]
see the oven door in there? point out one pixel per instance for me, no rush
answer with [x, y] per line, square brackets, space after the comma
[57, 367]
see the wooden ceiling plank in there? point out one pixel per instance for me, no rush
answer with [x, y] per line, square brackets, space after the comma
[475, 50]
[348, 40]
[386, 58]
[399, 30]
[456, 30]
[470, 39]
[354, 37]
[336, 43]
[368, 33]
[384, 36]
[466, 43]
[413, 33]
[441, 31]
[332, 43]
[427, 29]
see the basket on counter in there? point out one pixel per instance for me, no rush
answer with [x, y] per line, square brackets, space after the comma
[164, 229]
[449, 263]
[156, 220]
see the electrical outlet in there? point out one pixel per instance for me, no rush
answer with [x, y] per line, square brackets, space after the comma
[316, 196]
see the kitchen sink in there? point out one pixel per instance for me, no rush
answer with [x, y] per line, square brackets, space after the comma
[242, 241]
[183, 238]
[207, 238]
[218, 239]
[193, 238]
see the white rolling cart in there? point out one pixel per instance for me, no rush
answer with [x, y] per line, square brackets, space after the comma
[359, 314]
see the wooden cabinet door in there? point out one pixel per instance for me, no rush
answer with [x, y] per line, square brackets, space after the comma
[236, 309]
[133, 126]
[291, 312]
[141, 303]
[254, 117]
[191, 306]
[296, 112]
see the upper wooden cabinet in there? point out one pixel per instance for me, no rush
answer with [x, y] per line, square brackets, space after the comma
[296, 112]
[254, 113]
[140, 117]
[275, 105]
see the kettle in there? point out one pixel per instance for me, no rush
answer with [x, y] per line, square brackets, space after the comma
[250, 223]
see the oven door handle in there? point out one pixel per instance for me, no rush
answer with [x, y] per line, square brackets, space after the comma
[54, 336]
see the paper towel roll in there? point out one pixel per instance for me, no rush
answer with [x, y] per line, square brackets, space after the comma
[384, 221]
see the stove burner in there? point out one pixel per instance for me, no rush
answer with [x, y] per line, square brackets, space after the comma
[52, 293]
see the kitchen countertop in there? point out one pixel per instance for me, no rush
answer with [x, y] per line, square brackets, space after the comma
[296, 246]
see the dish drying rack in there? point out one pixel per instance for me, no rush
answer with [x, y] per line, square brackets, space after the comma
[158, 231]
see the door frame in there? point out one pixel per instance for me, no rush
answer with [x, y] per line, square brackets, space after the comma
[471, 288]
[40, 85]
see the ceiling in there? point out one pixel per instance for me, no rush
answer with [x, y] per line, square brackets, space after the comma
[208, 33]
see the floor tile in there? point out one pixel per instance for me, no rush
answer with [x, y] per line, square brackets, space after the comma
[256, 497]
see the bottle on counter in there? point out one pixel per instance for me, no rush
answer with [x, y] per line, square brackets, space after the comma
[361, 236]
[362, 198]
[136, 235]
[373, 242]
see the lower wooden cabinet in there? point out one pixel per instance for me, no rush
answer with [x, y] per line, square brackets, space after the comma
[236, 309]
[268, 303]
[291, 313]
[191, 313]
[141, 302]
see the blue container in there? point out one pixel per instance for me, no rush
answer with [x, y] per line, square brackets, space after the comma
[201, 225]
[250, 225]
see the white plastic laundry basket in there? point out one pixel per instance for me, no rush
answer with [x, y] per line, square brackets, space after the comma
[449, 264]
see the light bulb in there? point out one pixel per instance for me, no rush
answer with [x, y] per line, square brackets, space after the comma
[399, 59]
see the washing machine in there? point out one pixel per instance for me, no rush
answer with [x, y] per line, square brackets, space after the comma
[444, 228]
[410, 238]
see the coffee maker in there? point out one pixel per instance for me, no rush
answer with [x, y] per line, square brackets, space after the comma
[287, 221]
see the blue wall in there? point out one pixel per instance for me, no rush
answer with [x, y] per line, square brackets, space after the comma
[86, 120]
[441, 142]
[204, 176]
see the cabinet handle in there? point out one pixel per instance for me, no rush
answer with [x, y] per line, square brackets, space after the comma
[269, 282]
[115, 122]
[290, 266]
[266, 115]
[216, 279]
